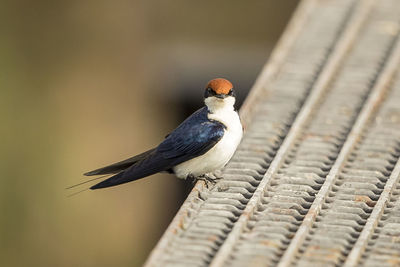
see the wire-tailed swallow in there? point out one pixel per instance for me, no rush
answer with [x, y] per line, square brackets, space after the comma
[201, 144]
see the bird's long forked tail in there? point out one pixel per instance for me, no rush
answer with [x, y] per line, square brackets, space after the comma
[151, 164]
[125, 171]
[108, 182]
[114, 180]
[83, 183]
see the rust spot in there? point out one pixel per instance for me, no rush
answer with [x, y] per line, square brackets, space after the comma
[269, 243]
[325, 137]
[212, 238]
[366, 200]
[395, 261]
[326, 253]
[180, 223]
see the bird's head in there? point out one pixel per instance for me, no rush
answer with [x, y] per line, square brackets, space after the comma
[219, 94]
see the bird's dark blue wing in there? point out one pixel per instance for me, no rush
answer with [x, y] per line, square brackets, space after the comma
[192, 138]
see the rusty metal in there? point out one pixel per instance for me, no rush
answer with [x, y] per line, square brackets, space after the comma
[355, 135]
[373, 220]
[376, 214]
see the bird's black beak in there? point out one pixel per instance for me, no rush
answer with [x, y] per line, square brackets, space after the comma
[221, 96]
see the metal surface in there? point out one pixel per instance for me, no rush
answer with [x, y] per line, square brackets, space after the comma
[385, 131]
[313, 181]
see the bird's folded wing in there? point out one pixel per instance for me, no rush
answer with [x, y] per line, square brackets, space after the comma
[186, 142]
[191, 140]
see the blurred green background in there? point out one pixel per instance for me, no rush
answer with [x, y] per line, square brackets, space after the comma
[87, 83]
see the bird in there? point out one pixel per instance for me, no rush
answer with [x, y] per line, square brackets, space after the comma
[200, 145]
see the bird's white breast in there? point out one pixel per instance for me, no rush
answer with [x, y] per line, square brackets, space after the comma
[221, 153]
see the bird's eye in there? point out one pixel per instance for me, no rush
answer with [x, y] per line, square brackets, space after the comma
[231, 92]
[209, 92]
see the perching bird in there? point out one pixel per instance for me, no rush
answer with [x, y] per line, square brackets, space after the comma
[202, 144]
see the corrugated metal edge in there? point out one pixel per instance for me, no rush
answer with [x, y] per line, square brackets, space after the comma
[270, 69]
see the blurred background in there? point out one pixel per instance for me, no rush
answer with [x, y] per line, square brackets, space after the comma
[88, 83]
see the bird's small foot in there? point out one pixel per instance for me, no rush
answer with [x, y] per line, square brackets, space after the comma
[217, 176]
[207, 179]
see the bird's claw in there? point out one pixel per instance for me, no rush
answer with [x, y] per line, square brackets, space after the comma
[206, 178]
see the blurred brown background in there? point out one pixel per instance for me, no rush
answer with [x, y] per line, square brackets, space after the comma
[88, 83]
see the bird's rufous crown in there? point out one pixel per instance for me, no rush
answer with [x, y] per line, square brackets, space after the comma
[220, 86]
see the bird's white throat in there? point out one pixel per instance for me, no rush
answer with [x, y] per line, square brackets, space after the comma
[216, 105]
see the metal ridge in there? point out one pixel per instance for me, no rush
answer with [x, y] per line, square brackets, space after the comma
[376, 214]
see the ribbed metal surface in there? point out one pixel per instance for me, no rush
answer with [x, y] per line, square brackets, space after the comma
[313, 181]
